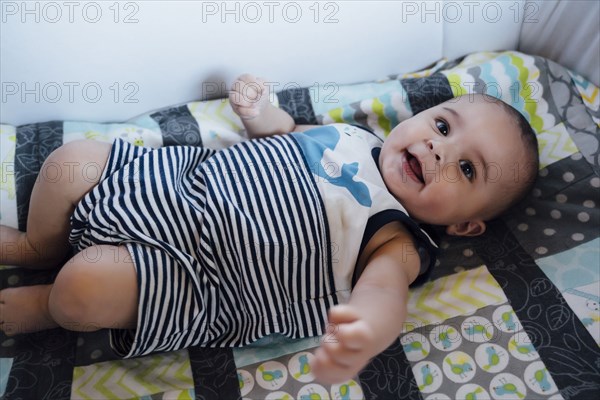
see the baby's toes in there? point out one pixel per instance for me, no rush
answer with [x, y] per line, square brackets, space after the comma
[21, 310]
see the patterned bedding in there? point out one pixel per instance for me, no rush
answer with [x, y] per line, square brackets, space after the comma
[512, 314]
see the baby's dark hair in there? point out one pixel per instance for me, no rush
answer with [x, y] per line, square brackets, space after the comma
[526, 175]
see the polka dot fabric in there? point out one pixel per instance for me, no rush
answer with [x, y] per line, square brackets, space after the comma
[562, 211]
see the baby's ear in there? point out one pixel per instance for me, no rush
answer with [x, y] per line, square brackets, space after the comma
[469, 228]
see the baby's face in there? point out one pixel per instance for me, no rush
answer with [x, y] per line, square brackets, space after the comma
[449, 164]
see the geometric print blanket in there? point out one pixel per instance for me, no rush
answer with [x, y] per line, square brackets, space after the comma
[512, 314]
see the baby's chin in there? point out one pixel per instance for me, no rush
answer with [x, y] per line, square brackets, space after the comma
[421, 219]
[424, 221]
[427, 218]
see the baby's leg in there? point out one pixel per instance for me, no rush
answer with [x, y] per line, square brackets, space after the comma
[66, 176]
[97, 288]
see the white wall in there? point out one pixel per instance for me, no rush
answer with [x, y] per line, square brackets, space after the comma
[567, 32]
[471, 26]
[107, 61]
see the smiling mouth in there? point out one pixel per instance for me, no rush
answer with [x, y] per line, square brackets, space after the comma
[414, 167]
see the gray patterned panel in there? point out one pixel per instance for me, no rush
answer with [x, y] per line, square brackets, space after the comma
[178, 126]
[567, 104]
[427, 92]
[389, 376]
[563, 343]
[214, 373]
[35, 142]
[93, 347]
[42, 362]
[297, 103]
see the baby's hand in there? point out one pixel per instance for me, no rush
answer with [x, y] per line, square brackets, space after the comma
[347, 347]
[249, 96]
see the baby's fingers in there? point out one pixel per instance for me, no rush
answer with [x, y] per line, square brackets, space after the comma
[249, 99]
[352, 336]
[357, 335]
[342, 314]
[249, 90]
[348, 345]
[327, 370]
[248, 78]
[343, 356]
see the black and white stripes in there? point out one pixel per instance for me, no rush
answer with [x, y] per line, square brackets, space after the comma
[264, 243]
[229, 247]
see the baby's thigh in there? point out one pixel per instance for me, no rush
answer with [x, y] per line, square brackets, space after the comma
[97, 288]
[75, 168]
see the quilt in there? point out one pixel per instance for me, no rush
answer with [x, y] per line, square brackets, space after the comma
[512, 314]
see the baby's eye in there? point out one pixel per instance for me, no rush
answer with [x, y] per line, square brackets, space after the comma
[442, 126]
[467, 169]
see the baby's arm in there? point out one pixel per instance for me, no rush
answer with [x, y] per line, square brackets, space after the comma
[373, 319]
[249, 98]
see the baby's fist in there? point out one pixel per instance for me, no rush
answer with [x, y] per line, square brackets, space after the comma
[347, 346]
[249, 96]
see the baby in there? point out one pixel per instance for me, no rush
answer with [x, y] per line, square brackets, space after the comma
[308, 233]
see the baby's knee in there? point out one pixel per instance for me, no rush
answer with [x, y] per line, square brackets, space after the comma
[71, 303]
[96, 289]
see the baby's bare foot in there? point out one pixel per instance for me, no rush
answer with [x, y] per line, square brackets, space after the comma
[25, 309]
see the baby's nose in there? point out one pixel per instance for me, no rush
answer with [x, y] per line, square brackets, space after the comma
[436, 149]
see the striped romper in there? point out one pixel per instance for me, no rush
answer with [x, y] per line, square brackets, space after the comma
[233, 245]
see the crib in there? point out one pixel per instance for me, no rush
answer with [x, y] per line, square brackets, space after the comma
[511, 314]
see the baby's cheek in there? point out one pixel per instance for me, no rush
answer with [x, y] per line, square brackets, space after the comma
[436, 206]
